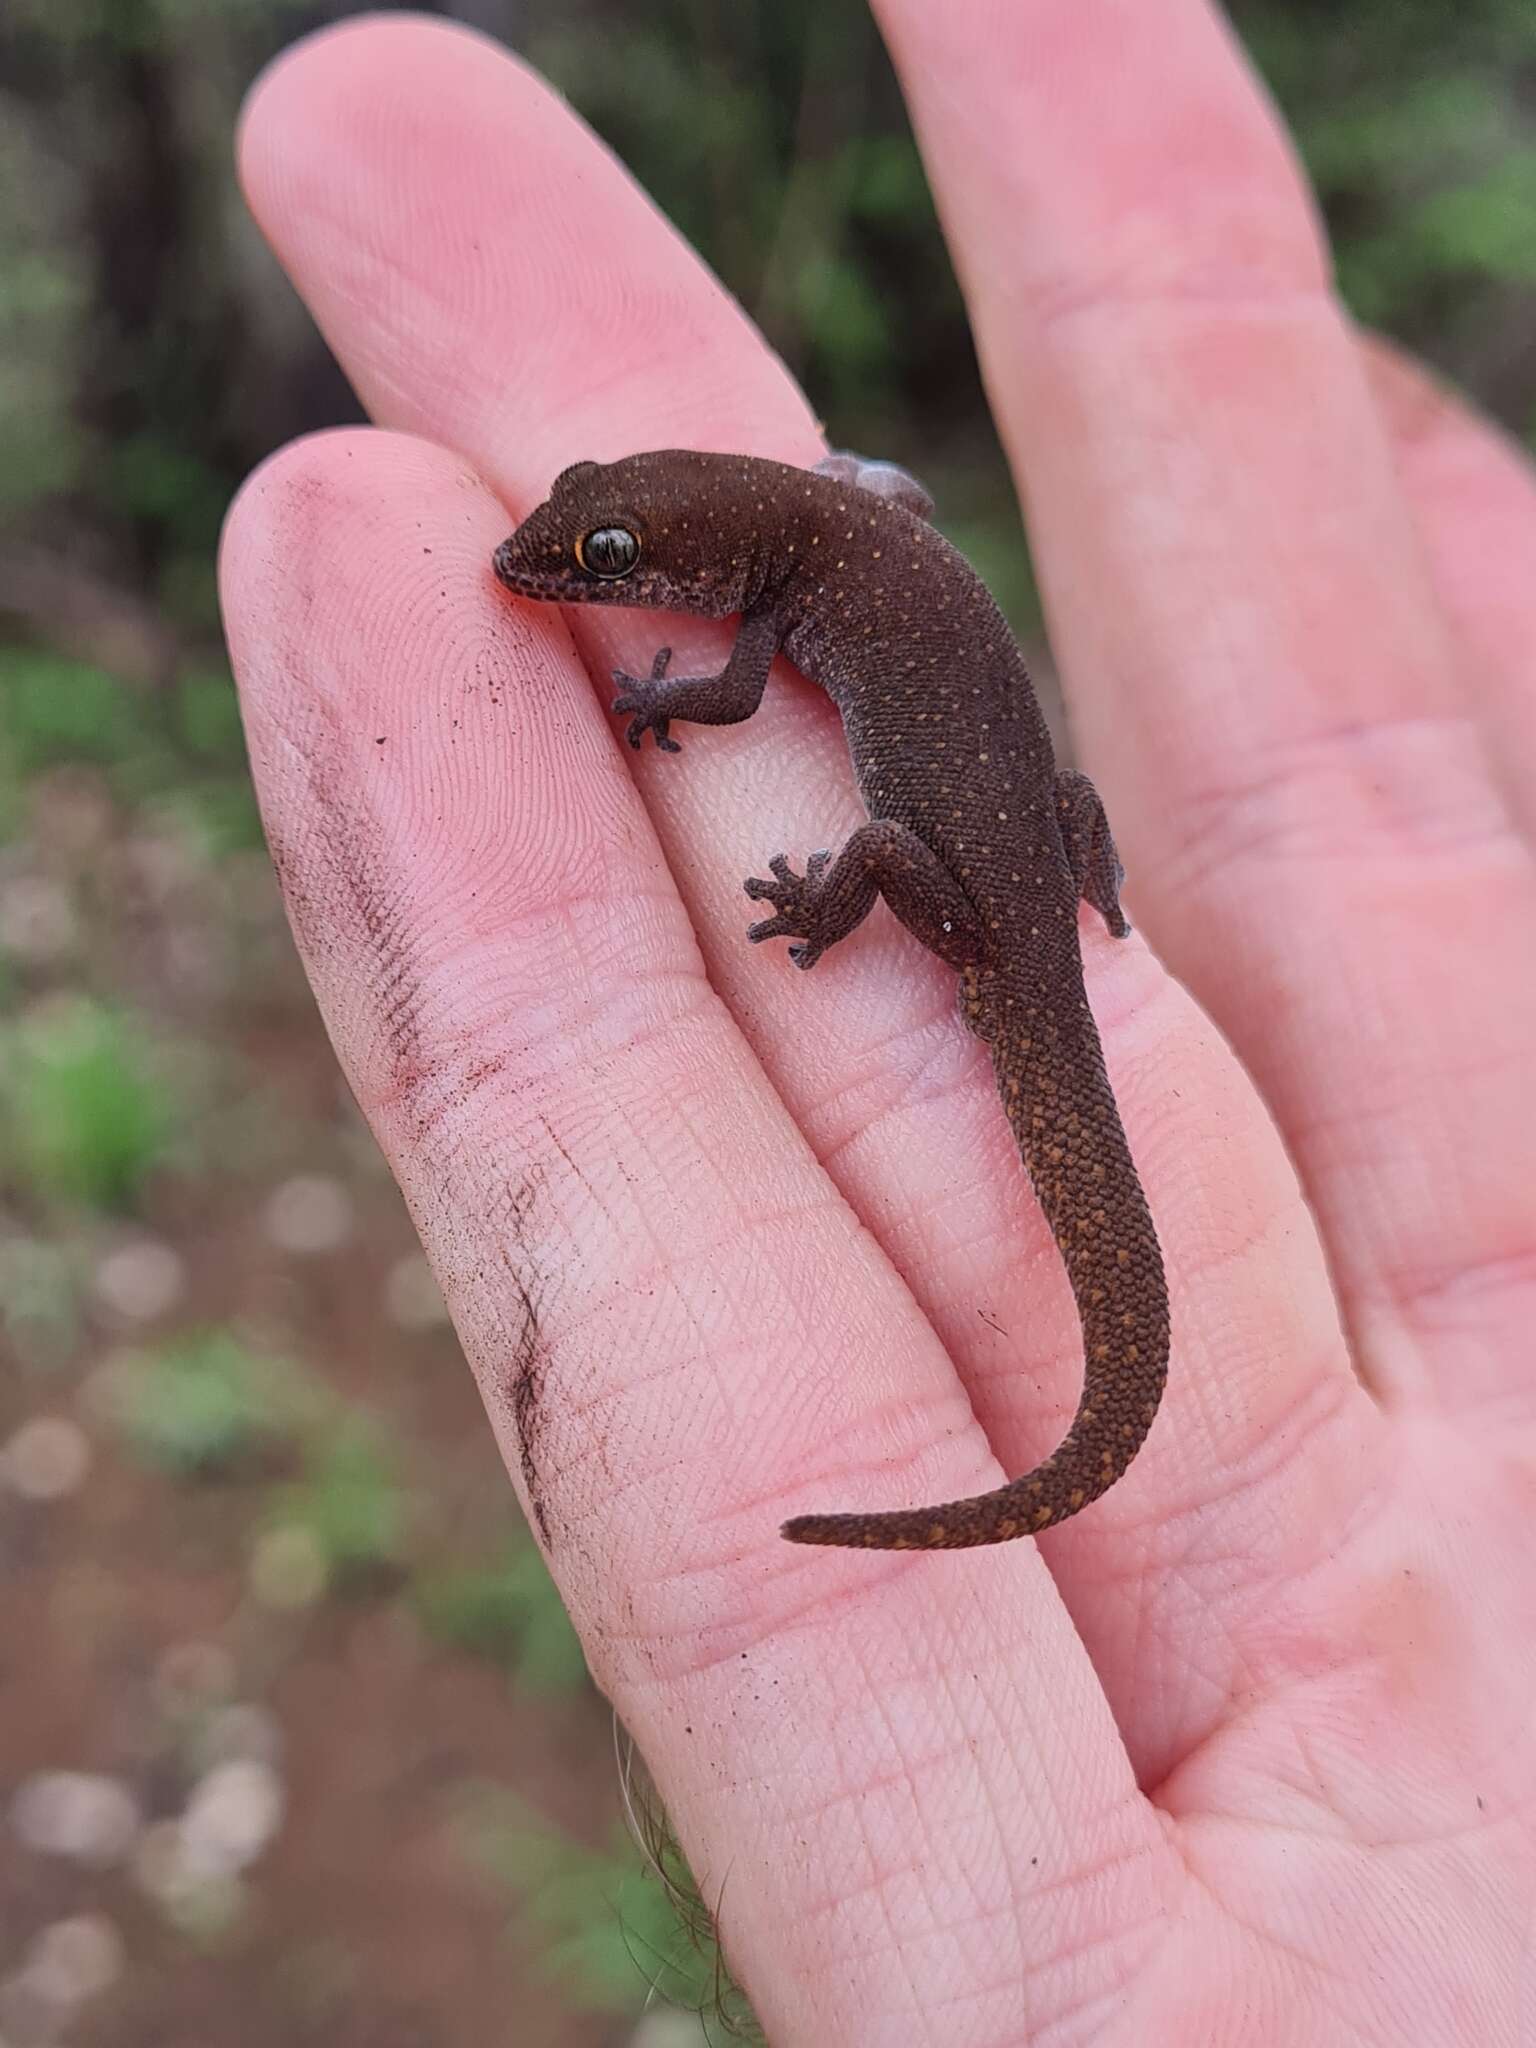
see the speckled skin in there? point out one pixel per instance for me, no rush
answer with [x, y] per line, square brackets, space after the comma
[977, 843]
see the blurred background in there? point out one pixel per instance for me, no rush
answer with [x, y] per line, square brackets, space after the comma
[295, 1743]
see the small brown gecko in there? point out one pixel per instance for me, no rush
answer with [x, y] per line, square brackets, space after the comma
[975, 839]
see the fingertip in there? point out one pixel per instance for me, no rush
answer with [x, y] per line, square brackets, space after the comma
[277, 473]
[354, 569]
[469, 248]
[353, 472]
[345, 60]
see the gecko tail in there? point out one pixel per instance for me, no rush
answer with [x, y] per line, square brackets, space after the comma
[1090, 1459]
[1058, 1101]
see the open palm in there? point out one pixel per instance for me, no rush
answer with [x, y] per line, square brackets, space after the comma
[1245, 1753]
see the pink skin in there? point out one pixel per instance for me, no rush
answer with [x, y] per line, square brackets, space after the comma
[1245, 1754]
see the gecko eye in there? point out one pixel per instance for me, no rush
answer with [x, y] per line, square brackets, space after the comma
[609, 552]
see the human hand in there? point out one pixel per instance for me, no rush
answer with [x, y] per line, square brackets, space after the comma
[1244, 1753]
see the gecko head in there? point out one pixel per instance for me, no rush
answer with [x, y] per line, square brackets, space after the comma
[652, 530]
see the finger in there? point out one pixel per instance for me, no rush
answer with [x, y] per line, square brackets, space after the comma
[895, 1097]
[486, 272]
[1473, 496]
[663, 1300]
[1299, 779]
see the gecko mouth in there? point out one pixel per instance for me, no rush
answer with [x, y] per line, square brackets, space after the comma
[517, 576]
[505, 564]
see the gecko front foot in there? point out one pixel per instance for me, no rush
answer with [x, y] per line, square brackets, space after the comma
[640, 695]
[798, 902]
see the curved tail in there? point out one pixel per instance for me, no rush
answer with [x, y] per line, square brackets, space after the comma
[1057, 1095]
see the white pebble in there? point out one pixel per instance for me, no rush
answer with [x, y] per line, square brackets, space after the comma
[233, 1814]
[308, 1214]
[205, 1909]
[74, 1960]
[72, 809]
[241, 1732]
[37, 918]
[164, 862]
[46, 1458]
[79, 1814]
[157, 1862]
[412, 1297]
[288, 1567]
[141, 1281]
[199, 1902]
[666, 2026]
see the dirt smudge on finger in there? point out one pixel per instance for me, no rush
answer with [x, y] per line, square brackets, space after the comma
[524, 1384]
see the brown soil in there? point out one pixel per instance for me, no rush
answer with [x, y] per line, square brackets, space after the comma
[366, 1923]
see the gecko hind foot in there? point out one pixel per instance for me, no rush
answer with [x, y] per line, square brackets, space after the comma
[798, 902]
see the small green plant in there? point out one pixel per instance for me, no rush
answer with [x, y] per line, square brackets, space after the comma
[508, 1612]
[204, 1404]
[207, 717]
[85, 1107]
[54, 710]
[351, 1501]
[208, 794]
[611, 1929]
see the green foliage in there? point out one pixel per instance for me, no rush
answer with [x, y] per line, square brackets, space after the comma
[773, 137]
[1415, 129]
[207, 717]
[143, 25]
[510, 1613]
[203, 1405]
[181, 749]
[993, 542]
[611, 1929]
[1471, 235]
[148, 477]
[45, 312]
[207, 1405]
[215, 816]
[86, 1108]
[40, 1300]
[351, 1501]
[54, 710]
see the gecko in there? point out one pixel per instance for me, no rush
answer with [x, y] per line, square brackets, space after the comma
[977, 842]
